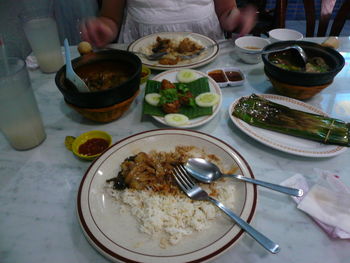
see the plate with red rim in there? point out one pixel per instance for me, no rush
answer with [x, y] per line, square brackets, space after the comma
[213, 86]
[116, 236]
[203, 59]
[284, 142]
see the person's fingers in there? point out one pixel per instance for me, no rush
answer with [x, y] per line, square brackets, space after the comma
[85, 33]
[104, 35]
[96, 32]
[93, 32]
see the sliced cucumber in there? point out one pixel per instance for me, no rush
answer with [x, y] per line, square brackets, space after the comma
[186, 75]
[207, 99]
[176, 119]
[152, 98]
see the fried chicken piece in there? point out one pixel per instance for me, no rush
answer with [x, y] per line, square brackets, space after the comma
[170, 92]
[186, 45]
[166, 84]
[161, 45]
[172, 107]
[185, 98]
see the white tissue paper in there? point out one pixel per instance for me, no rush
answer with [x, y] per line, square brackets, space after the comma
[32, 62]
[327, 202]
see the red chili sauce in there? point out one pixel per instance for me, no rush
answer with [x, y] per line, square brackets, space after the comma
[234, 75]
[93, 146]
[218, 75]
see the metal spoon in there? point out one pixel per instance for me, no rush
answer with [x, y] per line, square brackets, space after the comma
[207, 172]
[70, 74]
[153, 56]
[299, 50]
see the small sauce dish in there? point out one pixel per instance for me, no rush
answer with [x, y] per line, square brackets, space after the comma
[284, 34]
[225, 77]
[89, 145]
[145, 72]
[248, 48]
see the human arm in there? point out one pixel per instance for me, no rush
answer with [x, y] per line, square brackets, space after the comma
[231, 18]
[101, 30]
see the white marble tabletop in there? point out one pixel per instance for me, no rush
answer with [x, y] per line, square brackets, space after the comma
[38, 187]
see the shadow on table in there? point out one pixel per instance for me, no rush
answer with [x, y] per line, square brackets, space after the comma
[259, 81]
[73, 115]
[78, 118]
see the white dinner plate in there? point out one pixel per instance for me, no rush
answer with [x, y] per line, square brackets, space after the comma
[214, 87]
[116, 234]
[203, 59]
[284, 142]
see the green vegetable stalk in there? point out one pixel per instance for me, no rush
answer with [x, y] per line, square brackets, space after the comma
[265, 114]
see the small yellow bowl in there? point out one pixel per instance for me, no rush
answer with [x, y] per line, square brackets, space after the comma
[83, 138]
[145, 74]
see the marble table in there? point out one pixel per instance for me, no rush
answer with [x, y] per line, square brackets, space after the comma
[38, 187]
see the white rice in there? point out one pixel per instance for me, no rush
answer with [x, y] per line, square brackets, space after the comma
[169, 218]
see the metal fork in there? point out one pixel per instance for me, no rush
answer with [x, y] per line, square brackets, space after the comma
[195, 192]
[153, 56]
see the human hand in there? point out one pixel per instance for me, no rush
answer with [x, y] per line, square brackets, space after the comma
[98, 31]
[243, 20]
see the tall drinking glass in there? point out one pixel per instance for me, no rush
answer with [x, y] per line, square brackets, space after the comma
[20, 119]
[41, 31]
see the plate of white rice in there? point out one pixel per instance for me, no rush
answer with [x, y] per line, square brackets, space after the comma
[142, 226]
[145, 44]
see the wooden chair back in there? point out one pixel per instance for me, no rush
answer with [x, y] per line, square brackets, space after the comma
[269, 19]
[327, 7]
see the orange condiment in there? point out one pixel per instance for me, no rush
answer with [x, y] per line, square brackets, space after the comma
[234, 75]
[93, 146]
[218, 75]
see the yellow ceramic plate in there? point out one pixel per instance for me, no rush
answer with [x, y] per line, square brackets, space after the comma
[81, 139]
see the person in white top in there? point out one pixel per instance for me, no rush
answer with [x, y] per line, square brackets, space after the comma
[132, 19]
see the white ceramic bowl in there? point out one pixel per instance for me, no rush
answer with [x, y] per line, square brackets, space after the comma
[284, 34]
[248, 48]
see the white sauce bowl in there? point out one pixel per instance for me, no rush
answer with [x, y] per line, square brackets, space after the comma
[248, 48]
[284, 34]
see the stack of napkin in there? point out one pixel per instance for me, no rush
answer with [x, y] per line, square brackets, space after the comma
[32, 62]
[327, 202]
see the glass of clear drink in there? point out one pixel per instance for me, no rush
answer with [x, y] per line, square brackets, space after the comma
[20, 119]
[40, 28]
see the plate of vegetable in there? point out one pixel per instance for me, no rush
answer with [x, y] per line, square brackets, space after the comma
[290, 125]
[183, 98]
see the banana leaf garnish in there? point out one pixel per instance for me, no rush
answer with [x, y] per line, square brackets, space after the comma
[266, 114]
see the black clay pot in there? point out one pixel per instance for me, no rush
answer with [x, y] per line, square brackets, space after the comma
[104, 98]
[332, 57]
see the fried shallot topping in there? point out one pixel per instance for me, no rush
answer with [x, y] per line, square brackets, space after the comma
[151, 171]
